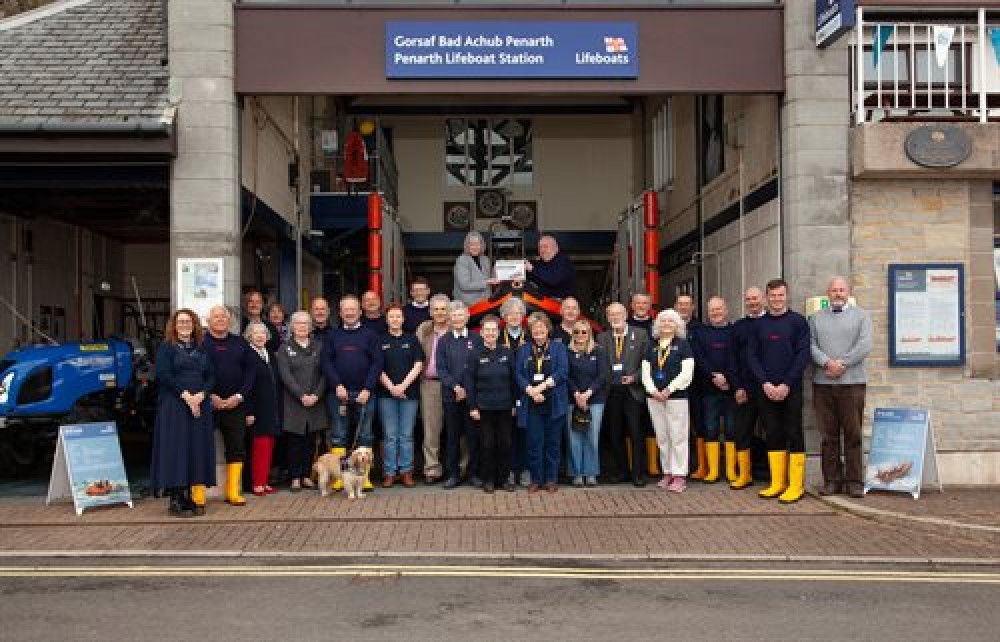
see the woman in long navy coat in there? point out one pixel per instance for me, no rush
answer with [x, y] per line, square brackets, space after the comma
[183, 437]
[263, 409]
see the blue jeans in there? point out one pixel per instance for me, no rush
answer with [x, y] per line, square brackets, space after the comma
[398, 418]
[715, 407]
[584, 459]
[544, 436]
[339, 433]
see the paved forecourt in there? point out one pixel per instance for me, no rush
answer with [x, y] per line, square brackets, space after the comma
[604, 523]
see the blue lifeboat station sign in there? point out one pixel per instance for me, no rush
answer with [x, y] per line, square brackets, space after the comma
[511, 50]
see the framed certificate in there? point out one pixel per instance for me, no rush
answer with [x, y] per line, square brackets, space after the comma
[509, 269]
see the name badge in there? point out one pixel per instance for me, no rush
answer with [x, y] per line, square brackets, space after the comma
[660, 376]
[538, 378]
[484, 360]
[618, 367]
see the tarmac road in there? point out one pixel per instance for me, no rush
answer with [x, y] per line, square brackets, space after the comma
[359, 599]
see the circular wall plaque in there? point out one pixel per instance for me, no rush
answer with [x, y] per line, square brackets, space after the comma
[938, 146]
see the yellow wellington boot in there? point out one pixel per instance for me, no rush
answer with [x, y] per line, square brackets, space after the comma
[368, 482]
[198, 499]
[745, 477]
[731, 474]
[778, 462]
[338, 483]
[702, 469]
[796, 479]
[234, 481]
[652, 456]
[712, 458]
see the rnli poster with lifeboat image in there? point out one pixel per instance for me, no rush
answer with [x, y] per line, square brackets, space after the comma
[88, 467]
[902, 454]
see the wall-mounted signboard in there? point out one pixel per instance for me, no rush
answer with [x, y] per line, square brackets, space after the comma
[511, 49]
[926, 314]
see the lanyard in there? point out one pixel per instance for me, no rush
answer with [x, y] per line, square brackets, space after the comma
[539, 356]
[662, 354]
[518, 343]
[619, 346]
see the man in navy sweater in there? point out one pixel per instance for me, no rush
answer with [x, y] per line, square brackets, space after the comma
[418, 309]
[235, 369]
[747, 407]
[553, 272]
[372, 317]
[779, 352]
[452, 358]
[712, 346]
[352, 363]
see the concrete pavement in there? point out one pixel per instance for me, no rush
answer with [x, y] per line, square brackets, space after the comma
[707, 522]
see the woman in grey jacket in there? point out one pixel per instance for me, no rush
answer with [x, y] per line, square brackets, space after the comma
[472, 272]
[298, 361]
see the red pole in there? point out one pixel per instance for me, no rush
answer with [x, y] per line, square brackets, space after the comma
[375, 243]
[651, 243]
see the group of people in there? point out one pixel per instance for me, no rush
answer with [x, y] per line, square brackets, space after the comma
[513, 397]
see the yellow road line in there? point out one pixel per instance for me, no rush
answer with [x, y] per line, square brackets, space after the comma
[376, 571]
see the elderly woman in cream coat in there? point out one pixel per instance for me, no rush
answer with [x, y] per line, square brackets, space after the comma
[473, 271]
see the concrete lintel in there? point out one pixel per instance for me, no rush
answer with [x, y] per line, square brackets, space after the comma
[877, 150]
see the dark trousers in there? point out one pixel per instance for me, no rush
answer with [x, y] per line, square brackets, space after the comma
[495, 428]
[458, 423]
[299, 449]
[746, 419]
[783, 421]
[840, 411]
[544, 433]
[519, 451]
[622, 414]
[233, 426]
[718, 411]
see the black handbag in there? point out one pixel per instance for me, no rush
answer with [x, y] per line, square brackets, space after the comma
[580, 419]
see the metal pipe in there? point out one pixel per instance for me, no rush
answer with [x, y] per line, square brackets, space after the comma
[298, 203]
[983, 107]
[860, 47]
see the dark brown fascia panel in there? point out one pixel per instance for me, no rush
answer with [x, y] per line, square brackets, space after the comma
[341, 50]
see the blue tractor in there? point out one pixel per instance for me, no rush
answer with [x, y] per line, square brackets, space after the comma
[42, 387]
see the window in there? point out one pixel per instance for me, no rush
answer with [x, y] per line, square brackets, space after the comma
[488, 152]
[896, 64]
[663, 146]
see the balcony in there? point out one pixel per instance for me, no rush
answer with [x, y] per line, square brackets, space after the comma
[940, 66]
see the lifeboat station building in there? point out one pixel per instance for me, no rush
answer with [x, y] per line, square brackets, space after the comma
[157, 153]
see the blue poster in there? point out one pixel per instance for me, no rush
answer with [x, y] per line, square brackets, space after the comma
[93, 465]
[900, 438]
[511, 50]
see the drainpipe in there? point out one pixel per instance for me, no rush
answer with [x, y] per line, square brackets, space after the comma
[375, 243]
[650, 244]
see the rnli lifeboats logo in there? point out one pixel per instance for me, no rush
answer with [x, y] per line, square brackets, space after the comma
[613, 44]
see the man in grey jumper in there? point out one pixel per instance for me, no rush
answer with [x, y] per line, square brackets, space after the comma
[840, 340]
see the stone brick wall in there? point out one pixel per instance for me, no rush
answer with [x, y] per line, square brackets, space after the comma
[921, 220]
[11, 7]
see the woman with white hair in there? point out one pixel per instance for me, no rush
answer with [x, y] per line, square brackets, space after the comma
[305, 410]
[472, 271]
[263, 409]
[667, 370]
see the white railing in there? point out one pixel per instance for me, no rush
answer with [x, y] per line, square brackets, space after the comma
[913, 75]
